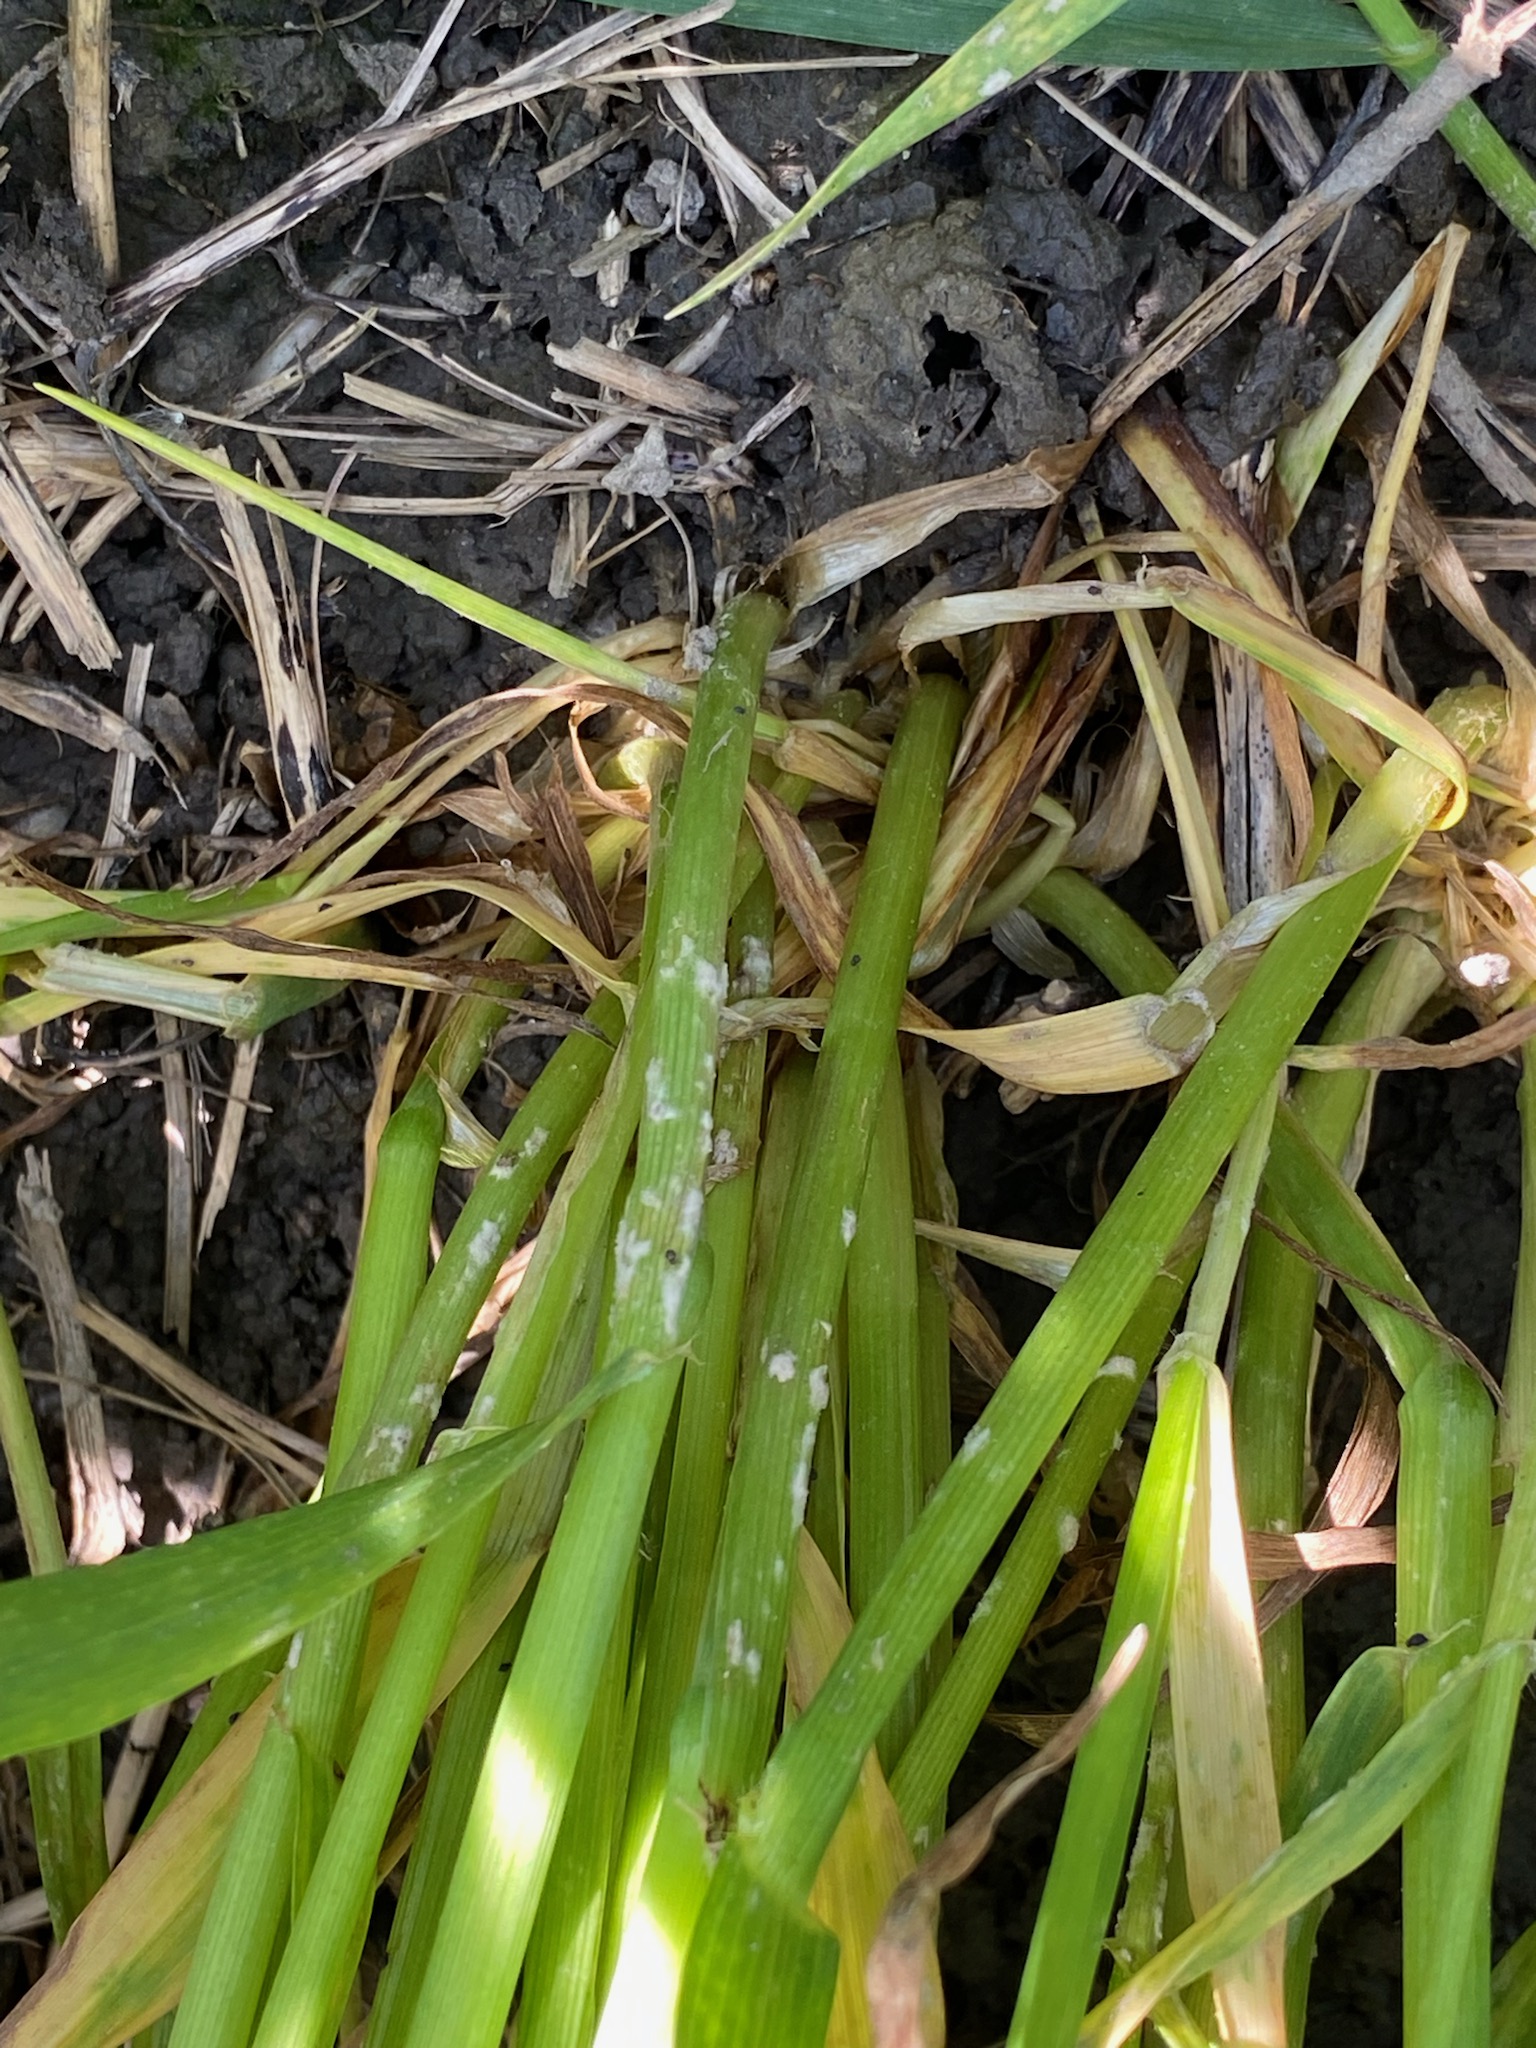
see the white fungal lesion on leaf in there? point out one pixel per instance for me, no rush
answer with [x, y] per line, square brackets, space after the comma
[659, 1106]
[800, 1478]
[754, 977]
[739, 1654]
[630, 1251]
[710, 980]
[485, 1245]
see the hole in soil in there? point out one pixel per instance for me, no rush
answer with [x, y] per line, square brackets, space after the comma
[539, 330]
[957, 160]
[948, 352]
[954, 365]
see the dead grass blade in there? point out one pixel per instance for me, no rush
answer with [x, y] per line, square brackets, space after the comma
[292, 695]
[586, 154]
[1172, 463]
[986, 812]
[1474, 60]
[1407, 1055]
[64, 710]
[84, 543]
[1376, 554]
[824, 753]
[1228, 1806]
[1489, 545]
[1047, 1264]
[858, 542]
[1197, 843]
[570, 866]
[600, 46]
[1267, 816]
[1427, 550]
[1318, 674]
[226, 1154]
[247, 1431]
[1357, 1486]
[870, 1854]
[314, 338]
[648, 385]
[400, 787]
[814, 906]
[504, 436]
[88, 97]
[99, 1523]
[118, 828]
[1302, 449]
[47, 566]
[1466, 410]
[1135, 1042]
[971, 1328]
[1116, 833]
[130, 1775]
[1007, 672]
[179, 1129]
[736, 176]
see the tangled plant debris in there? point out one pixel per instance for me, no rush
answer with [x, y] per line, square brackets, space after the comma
[1011, 644]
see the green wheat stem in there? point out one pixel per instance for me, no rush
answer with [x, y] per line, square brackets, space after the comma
[1334, 1839]
[1503, 175]
[1517, 1417]
[885, 1443]
[64, 1784]
[1001, 1618]
[455, 1767]
[1085, 1870]
[700, 1459]
[1275, 1342]
[786, 1826]
[726, 1722]
[557, 2004]
[741, 1650]
[542, 1350]
[488, 1911]
[1444, 1550]
[1450, 2002]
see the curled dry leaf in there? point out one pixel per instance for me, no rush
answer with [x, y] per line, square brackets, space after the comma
[859, 542]
[61, 709]
[48, 568]
[809, 897]
[1317, 670]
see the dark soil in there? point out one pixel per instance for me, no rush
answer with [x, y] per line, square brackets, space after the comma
[958, 311]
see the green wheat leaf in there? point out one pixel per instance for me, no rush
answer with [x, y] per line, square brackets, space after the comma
[89, 1647]
[1152, 35]
[1026, 34]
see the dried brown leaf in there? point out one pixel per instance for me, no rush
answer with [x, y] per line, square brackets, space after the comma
[100, 1526]
[649, 385]
[47, 566]
[804, 889]
[837, 554]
